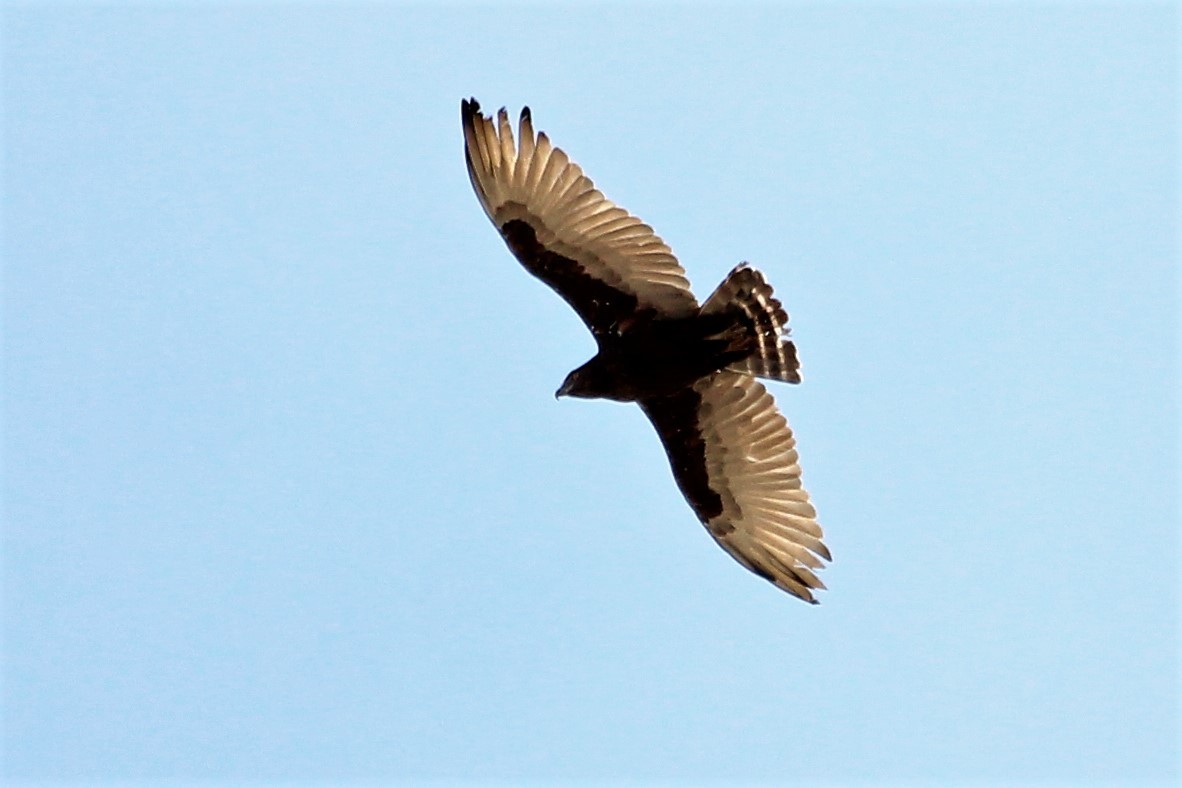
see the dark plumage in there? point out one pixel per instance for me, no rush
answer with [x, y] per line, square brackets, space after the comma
[691, 368]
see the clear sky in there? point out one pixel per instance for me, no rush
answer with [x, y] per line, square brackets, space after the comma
[287, 495]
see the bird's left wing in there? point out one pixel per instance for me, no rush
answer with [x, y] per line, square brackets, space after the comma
[734, 458]
[606, 263]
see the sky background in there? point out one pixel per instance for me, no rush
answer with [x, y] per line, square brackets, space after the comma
[287, 495]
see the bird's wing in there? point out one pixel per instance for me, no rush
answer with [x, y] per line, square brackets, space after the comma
[603, 261]
[735, 460]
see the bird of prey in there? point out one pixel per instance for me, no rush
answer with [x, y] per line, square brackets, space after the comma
[692, 368]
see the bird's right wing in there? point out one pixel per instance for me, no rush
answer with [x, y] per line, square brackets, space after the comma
[606, 263]
[734, 458]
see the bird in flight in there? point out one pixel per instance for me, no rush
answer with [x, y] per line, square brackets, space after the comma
[692, 368]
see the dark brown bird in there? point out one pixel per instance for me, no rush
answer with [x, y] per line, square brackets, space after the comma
[692, 369]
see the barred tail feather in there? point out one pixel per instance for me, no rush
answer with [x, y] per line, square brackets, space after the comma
[745, 292]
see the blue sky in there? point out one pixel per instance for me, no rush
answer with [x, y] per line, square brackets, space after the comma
[287, 495]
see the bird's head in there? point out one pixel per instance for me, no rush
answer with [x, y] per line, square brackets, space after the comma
[573, 386]
[589, 381]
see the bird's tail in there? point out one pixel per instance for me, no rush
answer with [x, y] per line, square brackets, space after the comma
[745, 294]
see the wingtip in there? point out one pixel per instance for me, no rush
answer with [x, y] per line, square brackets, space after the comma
[469, 109]
[804, 592]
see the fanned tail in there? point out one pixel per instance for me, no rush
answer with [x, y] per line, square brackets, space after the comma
[745, 293]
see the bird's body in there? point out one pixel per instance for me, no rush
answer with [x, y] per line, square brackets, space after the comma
[691, 368]
[657, 357]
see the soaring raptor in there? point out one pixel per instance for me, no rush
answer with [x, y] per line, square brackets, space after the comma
[692, 368]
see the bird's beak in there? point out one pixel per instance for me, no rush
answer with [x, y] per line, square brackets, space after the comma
[563, 390]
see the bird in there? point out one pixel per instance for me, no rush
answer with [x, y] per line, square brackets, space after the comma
[693, 369]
